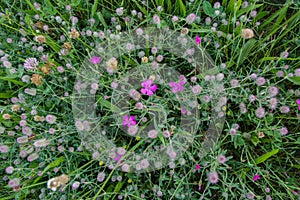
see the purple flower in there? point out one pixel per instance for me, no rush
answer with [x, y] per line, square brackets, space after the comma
[101, 177]
[260, 81]
[272, 91]
[156, 19]
[75, 185]
[30, 64]
[283, 131]
[9, 170]
[128, 121]
[213, 177]
[176, 87]
[221, 159]
[197, 40]
[255, 177]
[95, 60]
[152, 134]
[284, 109]
[50, 119]
[132, 130]
[14, 183]
[148, 88]
[190, 18]
[260, 112]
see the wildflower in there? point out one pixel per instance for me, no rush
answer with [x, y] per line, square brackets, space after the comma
[119, 11]
[30, 64]
[284, 54]
[166, 134]
[145, 59]
[255, 177]
[252, 98]
[197, 40]
[67, 45]
[6, 116]
[260, 81]
[184, 31]
[32, 157]
[250, 195]
[247, 33]
[13, 183]
[95, 60]
[40, 39]
[22, 139]
[176, 87]
[41, 143]
[284, 109]
[260, 112]
[15, 107]
[197, 167]
[273, 103]
[148, 88]
[234, 83]
[213, 177]
[36, 79]
[159, 58]
[125, 168]
[232, 131]
[50, 119]
[56, 182]
[156, 19]
[174, 19]
[260, 134]
[152, 134]
[134, 94]
[9, 170]
[111, 65]
[74, 34]
[272, 91]
[75, 185]
[283, 131]
[144, 164]
[190, 18]
[221, 159]
[128, 121]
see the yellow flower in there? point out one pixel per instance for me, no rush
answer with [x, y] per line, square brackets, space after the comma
[101, 163]
[129, 181]
[137, 138]
[224, 108]
[124, 146]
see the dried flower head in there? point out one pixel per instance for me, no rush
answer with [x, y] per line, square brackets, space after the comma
[39, 25]
[40, 39]
[74, 34]
[56, 182]
[36, 79]
[15, 107]
[144, 59]
[260, 134]
[67, 45]
[111, 65]
[6, 116]
[247, 33]
[184, 31]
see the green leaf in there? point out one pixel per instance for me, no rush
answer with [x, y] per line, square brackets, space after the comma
[102, 20]
[51, 165]
[180, 8]
[75, 2]
[295, 80]
[6, 95]
[208, 9]
[12, 80]
[94, 8]
[264, 157]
